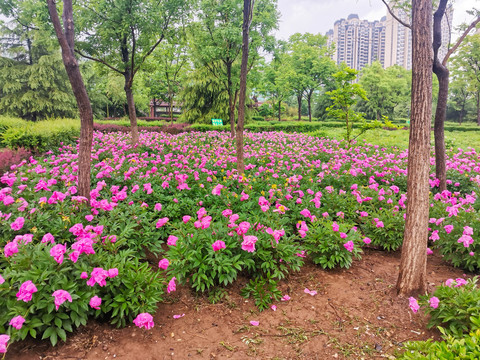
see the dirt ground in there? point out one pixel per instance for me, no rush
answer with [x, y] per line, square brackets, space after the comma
[355, 315]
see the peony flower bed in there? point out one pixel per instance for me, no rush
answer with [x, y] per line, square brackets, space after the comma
[66, 259]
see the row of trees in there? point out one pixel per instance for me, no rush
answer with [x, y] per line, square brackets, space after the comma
[189, 52]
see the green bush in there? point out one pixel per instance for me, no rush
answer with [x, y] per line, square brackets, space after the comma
[326, 247]
[449, 349]
[458, 308]
[39, 136]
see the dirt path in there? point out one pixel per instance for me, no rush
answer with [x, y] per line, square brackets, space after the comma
[355, 315]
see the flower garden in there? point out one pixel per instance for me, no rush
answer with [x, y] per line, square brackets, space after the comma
[302, 199]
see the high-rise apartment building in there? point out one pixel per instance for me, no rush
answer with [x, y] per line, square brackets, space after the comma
[360, 42]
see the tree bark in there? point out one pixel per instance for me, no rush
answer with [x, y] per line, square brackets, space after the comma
[279, 110]
[247, 17]
[66, 39]
[231, 106]
[478, 108]
[412, 274]
[131, 108]
[442, 73]
[438, 128]
[299, 100]
[309, 102]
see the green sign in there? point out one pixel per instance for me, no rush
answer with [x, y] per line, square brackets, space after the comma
[217, 122]
[408, 122]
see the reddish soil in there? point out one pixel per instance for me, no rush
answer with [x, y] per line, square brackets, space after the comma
[355, 315]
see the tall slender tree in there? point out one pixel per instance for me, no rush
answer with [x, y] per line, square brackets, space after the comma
[413, 264]
[122, 34]
[65, 35]
[247, 20]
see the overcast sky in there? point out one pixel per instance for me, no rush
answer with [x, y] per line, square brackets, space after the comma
[318, 16]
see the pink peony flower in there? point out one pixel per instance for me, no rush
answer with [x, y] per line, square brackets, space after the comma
[48, 238]
[178, 316]
[460, 282]
[367, 240]
[3, 343]
[248, 243]
[434, 302]
[429, 251]
[112, 273]
[186, 218]
[57, 252]
[343, 235]
[144, 320]
[17, 322]
[243, 228]
[218, 245]
[84, 275]
[2, 280]
[335, 226]
[172, 240]
[227, 213]
[161, 222]
[285, 298]
[60, 297]
[448, 228]
[98, 276]
[217, 190]
[26, 290]
[18, 223]
[10, 249]
[349, 246]
[89, 217]
[163, 264]
[254, 323]
[171, 285]
[95, 302]
[273, 307]
[158, 207]
[413, 304]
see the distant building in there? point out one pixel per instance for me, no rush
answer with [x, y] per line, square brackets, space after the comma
[159, 108]
[360, 42]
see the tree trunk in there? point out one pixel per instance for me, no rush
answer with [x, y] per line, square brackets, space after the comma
[309, 102]
[412, 274]
[231, 106]
[438, 129]
[170, 99]
[247, 16]
[478, 108]
[299, 100]
[131, 107]
[66, 39]
[441, 111]
[279, 110]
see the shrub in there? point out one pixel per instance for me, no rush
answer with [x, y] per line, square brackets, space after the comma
[11, 157]
[451, 348]
[328, 248]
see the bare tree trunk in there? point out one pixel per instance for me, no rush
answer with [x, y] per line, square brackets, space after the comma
[299, 100]
[247, 18]
[280, 110]
[131, 107]
[66, 39]
[309, 102]
[413, 264]
[231, 105]
[478, 108]
[441, 111]
[438, 128]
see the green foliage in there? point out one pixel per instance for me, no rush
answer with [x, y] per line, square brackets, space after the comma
[38, 136]
[326, 247]
[344, 97]
[264, 291]
[36, 91]
[451, 348]
[389, 236]
[386, 90]
[458, 310]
